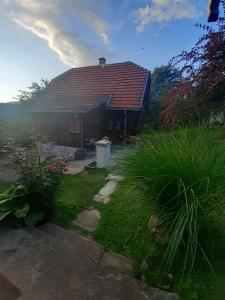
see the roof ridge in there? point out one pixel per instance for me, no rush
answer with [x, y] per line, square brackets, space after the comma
[108, 65]
[94, 66]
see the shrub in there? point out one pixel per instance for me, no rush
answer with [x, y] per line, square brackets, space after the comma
[35, 193]
[184, 170]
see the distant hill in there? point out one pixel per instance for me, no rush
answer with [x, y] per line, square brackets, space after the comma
[8, 109]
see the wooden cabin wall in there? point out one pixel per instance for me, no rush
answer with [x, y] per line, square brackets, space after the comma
[93, 124]
[65, 128]
[60, 128]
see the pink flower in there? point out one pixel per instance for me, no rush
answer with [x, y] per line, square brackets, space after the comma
[52, 168]
[65, 169]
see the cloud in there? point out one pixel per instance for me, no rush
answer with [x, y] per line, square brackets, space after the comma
[46, 19]
[164, 11]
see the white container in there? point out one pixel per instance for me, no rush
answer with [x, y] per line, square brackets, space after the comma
[103, 152]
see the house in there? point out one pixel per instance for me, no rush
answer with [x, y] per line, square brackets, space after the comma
[84, 104]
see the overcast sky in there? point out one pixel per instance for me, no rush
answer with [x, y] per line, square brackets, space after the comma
[43, 38]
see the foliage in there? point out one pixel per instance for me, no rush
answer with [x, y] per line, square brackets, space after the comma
[33, 198]
[12, 201]
[178, 109]
[185, 173]
[34, 91]
[164, 78]
[203, 70]
[4, 185]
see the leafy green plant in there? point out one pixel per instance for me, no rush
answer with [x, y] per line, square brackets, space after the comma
[33, 198]
[15, 201]
[184, 170]
[12, 201]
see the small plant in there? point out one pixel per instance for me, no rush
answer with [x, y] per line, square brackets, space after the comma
[184, 170]
[33, 198]
[13, 201]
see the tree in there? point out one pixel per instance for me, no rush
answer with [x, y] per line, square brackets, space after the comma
[204, 68]
[164, 79]
[33, 91]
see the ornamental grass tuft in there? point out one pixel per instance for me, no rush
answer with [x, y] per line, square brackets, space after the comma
[184, 171]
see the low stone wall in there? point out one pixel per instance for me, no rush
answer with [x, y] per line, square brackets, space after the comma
[64, 152]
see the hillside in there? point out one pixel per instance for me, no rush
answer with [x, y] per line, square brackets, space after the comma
[8, 109]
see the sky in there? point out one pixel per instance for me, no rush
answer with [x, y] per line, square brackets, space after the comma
[43, 38]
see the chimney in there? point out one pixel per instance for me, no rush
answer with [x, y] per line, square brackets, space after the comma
[102, 61]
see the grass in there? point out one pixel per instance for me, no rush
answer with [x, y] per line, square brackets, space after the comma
[185, 172]
[76, 193]
[123, 229]
[123, 226]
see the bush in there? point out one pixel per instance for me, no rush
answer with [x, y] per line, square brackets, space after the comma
[16, 130]
[33, 198]
[184, 170]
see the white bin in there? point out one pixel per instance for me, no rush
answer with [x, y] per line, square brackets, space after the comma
[103, 149]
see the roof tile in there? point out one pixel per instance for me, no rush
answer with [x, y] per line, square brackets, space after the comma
[125, 82]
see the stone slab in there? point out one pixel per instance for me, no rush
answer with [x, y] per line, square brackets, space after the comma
[101, 199]
[46, 268]
[88, 219]
[8, 291]
[117, 261]
[82, 245]
[114, 177]
[10, 239]
[108, 188]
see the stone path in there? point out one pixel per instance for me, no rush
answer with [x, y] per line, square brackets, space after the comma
[50, 263]
[106, 191]
[89, 219]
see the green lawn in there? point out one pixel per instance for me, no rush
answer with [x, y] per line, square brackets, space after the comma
[123, 226]
[77, 192]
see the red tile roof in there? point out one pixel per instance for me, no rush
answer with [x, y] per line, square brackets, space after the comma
[123, 82]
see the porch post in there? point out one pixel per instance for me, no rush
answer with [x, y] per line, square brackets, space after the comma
[125, 127]
[81, 132]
